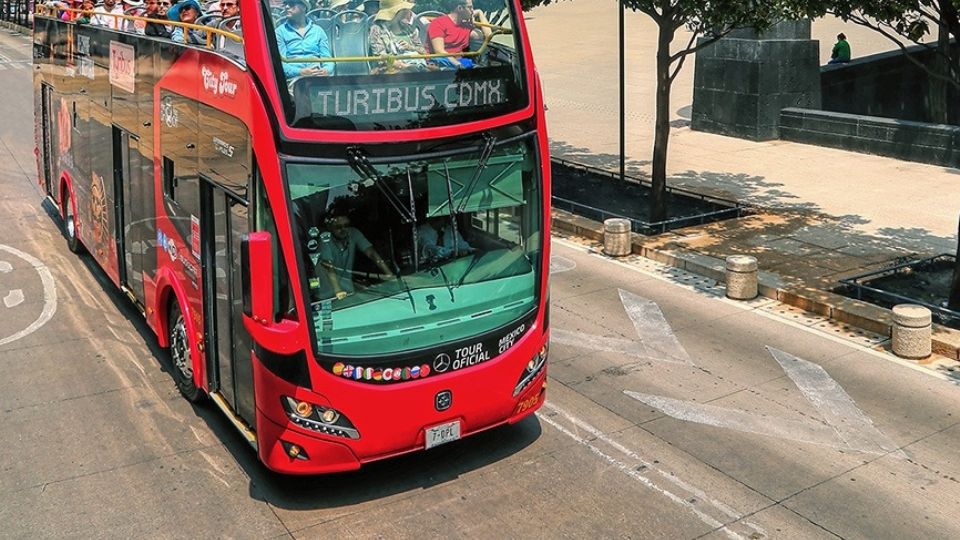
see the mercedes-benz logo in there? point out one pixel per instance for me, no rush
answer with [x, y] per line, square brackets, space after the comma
[441, 363]
[443, 400]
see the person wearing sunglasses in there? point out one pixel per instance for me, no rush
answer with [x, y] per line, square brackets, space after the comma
[186, 11]
[299, 37]
[153, 11]
[156, 11]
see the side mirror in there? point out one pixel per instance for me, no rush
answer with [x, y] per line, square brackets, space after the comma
[256, 253]
[257, 277]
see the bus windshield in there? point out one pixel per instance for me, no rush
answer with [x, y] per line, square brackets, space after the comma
[396, 64]
[421, 252]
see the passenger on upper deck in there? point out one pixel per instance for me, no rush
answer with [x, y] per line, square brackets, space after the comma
[229, 9]
[157, 9]
[450, 33]
[340, 5]
[298, 37]
[103, 14]
[393, 33]
[186, 11]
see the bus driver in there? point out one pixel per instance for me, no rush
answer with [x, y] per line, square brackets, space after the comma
[338, 248]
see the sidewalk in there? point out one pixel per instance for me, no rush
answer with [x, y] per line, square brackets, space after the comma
[826, 213]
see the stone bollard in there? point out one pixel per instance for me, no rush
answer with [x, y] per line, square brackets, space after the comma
[911, 331]
[617, 240]
[742, 277]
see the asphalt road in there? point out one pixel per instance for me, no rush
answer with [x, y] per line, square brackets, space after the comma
[725, 435]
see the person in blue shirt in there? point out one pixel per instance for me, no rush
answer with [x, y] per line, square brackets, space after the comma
[299, 37]
[186, 12]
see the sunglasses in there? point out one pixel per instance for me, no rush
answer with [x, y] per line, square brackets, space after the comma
[164, 4]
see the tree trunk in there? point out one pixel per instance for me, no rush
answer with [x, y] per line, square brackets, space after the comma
[658, 196]
[954, 301]
[939, 88]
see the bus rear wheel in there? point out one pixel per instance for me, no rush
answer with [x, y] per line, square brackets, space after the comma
[180, 356]
[70, 224]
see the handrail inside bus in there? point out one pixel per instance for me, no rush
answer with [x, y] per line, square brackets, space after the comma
[391, 58]
[44, 11]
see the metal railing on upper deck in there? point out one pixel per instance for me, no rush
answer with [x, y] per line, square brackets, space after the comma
[391, 59]
[17, 11]
[56, 11]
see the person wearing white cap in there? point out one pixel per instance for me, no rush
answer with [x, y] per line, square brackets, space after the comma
[393, 34]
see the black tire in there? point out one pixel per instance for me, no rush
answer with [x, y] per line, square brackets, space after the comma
[70, 224]
[181, 363]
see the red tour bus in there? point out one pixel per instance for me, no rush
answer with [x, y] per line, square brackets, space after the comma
[351, 263]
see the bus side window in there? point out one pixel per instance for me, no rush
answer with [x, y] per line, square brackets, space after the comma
[169, 179]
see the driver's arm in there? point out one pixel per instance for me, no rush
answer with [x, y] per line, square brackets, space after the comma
[331, 273]
[378, 260]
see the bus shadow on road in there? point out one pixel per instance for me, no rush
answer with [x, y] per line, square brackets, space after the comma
[381, 479]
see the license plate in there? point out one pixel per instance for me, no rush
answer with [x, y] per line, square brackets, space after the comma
[442, 434]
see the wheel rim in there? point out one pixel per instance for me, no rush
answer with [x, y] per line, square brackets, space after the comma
[180, 349]
[71, 225]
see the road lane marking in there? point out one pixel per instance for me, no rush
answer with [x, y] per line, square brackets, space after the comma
[560, 264]
[844, 426]
[13, 299]
[656, 339]
[836, 406]
[49, 294]
[711, 512]
[749, 306]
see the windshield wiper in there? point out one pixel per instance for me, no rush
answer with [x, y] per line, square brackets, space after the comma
[361, 165]
[476, 258]
[446, 282]
[453, 217]
[490, 141]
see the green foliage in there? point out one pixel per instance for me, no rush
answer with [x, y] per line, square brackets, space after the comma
[713, 17]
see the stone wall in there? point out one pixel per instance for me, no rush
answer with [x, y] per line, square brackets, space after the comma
[887, 85]
[913, 141]
[742, 81]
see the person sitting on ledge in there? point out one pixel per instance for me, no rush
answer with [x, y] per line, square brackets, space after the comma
[841, 51]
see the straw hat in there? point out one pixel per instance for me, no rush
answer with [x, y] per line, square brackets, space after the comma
[390, 8]
[338, 3]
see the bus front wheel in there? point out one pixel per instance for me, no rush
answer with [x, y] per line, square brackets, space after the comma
[180, 356]
[70, 224]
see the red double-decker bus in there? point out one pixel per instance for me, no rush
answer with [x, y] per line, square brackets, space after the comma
[351, 262]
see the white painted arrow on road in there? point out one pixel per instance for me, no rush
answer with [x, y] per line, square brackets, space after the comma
[844, 425]
[656, 340]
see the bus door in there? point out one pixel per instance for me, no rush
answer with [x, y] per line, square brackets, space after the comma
[129, 194]
[46, 151]
[223, 223]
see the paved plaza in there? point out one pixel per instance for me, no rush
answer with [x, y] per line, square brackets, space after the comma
[873, 196]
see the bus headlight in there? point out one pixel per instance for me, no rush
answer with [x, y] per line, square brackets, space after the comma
[319, 419]
[533, 368]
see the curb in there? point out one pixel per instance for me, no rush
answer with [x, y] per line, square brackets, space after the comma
[7, 25]
[945, 341]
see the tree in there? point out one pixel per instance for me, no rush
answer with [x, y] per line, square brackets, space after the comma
[707, 21]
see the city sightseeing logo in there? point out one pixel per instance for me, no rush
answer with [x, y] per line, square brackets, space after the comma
[359, 373]
[218, 85]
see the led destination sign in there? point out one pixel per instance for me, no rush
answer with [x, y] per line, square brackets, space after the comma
[379, 99]
[405, 97]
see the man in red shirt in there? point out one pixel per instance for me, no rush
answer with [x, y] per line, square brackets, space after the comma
[450, 33]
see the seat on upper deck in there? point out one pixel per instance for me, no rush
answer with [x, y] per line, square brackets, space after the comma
[350, 37]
